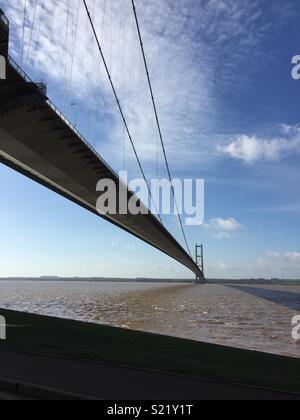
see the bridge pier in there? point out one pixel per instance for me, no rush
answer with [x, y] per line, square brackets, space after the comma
[200, 280]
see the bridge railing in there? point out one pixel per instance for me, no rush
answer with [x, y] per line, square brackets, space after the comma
[19, 70]
[60, 114]
[4, 18]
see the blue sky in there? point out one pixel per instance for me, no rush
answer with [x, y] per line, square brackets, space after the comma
[229, 111]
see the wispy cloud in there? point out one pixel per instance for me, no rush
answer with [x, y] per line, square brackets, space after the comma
[285, 265]
[186, 43]
[223, 228]
[278, 264]
[251, 149]
[181, 83]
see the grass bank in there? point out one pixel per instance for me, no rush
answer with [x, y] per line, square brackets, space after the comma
[78, 340]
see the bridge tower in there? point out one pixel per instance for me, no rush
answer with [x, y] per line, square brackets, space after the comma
[199, 255]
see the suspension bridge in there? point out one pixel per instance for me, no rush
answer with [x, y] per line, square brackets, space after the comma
[38, 141]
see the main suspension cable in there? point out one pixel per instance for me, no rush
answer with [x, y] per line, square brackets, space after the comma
[158, 123]
[23, 30]
[31, 31]
[75, 42]
[119, 106]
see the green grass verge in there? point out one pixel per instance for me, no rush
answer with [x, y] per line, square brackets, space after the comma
[79, 340]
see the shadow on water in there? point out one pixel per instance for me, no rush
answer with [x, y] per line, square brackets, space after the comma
[280, 297]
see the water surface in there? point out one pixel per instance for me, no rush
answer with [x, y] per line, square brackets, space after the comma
[252, 317]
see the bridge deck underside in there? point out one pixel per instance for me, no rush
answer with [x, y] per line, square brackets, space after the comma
[36, 141]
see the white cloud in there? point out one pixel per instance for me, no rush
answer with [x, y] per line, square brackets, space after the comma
[223, 228]
[251, 149]
[276, 264]
[293, 257]
[285, 265]
[228, 225]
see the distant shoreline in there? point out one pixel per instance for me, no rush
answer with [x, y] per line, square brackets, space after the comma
[286, 282]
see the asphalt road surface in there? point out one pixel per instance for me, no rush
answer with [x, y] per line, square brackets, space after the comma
[119, 383]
